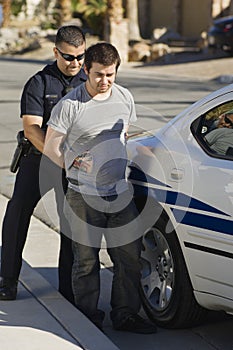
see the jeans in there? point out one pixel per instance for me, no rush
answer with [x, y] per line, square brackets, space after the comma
[125, 257]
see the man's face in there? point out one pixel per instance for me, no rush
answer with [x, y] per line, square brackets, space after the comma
[225, 121]
[69, 68]
[100, 78]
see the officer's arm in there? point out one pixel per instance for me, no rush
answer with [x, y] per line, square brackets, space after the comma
[33, 132]
[53, 146]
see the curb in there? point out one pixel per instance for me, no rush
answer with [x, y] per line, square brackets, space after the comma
[86, 334]
[76, 325]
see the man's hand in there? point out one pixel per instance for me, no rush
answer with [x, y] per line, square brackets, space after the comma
[84, 162]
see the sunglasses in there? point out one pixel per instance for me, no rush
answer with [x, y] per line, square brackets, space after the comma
[70, 58]
[228, 121]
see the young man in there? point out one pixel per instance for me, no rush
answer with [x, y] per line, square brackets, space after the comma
[221, 138]
[34, 179]
[87, 132]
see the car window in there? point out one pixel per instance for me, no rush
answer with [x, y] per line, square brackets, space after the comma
[214, 131]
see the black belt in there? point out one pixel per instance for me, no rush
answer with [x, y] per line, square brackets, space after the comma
[74, 182]
[34, 150]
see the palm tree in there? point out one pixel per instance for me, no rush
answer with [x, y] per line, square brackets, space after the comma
[6, 11]
[115, 10]
[93, 12]
[132, 15]
[64, 11]
[114, 15]
[116, 27]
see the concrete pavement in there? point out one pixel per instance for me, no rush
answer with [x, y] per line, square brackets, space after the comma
[40, 318]
[206, 64]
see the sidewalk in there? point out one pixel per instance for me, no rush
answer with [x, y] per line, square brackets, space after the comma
[199, 65]
[41, 318]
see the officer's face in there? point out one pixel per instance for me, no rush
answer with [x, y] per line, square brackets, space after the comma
[63, 55]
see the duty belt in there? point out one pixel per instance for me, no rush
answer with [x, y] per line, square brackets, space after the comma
[35, 151]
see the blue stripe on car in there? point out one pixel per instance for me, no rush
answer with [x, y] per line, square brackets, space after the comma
[181, 199]
[203, 221]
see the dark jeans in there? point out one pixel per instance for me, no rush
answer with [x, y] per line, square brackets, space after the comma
[125, 258]
[33, 180]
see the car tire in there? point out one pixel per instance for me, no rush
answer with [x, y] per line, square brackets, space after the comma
[166, 290]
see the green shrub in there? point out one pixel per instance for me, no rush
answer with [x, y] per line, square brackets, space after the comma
[16, 6]
[93, 12]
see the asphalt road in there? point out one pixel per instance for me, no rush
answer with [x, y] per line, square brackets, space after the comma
[159, 96]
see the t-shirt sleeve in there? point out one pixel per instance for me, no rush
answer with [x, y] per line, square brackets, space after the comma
[132, 115]
[211, 137]
[62, 114]
[32, 100]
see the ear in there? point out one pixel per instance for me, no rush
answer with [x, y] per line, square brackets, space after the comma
[85, 69]
[55, 52]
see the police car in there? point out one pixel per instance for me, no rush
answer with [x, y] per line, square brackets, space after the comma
[184, 192]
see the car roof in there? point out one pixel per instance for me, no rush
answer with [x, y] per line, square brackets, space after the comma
[225, 90]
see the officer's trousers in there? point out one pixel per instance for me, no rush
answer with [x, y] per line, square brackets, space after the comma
[36, 176]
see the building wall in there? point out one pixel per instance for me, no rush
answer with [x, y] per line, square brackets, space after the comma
[220, 7]
[196, 17]
[161, 14]
[187, 17]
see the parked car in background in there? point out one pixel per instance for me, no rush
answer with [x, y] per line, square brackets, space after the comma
[220, 35]
[184, 192]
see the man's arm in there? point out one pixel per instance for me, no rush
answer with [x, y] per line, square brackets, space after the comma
[127, 132]
[33, 132]
[210, 137]
[53, 146]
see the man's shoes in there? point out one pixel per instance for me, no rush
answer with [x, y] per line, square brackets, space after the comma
[137, 324]
[8, 289]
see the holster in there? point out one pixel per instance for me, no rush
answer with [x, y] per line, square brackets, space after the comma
[22, 150]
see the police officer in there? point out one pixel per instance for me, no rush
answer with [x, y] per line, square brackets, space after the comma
[36, 177]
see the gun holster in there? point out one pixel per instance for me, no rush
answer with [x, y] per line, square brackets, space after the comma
[22, 150]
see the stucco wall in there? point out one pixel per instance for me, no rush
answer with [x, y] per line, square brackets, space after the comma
[188, 17]
[161, 14]
[196, 17]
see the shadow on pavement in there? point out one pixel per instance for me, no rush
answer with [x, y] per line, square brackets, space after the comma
[178, 56]
[23, 59]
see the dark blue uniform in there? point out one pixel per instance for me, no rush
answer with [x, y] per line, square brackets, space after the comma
[36, 176]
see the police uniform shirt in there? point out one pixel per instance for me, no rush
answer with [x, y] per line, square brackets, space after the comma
[43, 90]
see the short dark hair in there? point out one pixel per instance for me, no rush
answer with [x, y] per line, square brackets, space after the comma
[103, 53]
[71, 35]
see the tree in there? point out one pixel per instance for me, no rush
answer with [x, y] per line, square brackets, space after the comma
[132, 15]
[64, 11]
[115, 10]
[113, 16]
[6, 11]
[93, 12]
[116, 28]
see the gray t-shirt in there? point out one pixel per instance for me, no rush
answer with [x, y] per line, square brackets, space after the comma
[220, 139]
[95, 134]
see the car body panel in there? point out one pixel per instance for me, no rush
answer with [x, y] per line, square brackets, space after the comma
[220, 34]
[196, 191]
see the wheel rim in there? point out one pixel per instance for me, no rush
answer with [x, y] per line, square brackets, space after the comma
[157, 270]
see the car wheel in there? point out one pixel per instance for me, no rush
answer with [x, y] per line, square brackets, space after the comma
[166, 290]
